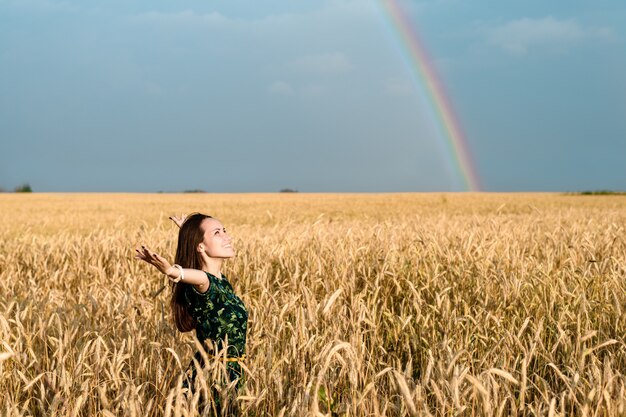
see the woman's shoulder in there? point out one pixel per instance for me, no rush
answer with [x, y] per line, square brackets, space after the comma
[221, 282]
[192, 293]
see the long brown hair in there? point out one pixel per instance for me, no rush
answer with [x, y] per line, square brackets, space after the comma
[187, 256]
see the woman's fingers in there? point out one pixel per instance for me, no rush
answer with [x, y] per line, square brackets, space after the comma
[153, 258]
[153, 254]
[178, 220]
[145, 254]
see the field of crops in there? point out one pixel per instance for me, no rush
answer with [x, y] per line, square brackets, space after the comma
[360, 305]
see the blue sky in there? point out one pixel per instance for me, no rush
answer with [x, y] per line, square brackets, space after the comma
[233, 96]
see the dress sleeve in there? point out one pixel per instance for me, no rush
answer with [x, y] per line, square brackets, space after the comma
[194, 294]
[197, 298]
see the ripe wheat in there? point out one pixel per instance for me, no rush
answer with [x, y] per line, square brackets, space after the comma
[360, 305]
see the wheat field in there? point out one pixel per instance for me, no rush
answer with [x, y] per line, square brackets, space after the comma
[360, 304]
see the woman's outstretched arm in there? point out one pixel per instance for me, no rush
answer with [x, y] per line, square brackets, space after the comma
[195, 277]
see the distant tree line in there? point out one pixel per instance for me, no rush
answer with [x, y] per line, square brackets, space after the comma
[599, 192]
[24, 188]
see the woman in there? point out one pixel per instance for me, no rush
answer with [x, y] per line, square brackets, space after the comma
[202, 297]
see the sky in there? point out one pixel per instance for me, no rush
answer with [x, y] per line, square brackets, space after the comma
[317, 96]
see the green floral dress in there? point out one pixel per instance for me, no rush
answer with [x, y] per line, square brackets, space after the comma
[220, 316]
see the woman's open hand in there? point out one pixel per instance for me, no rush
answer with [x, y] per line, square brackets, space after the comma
[178, 221]
[154, 259]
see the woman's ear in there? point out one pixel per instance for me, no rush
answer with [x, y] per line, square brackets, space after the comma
[200, 247]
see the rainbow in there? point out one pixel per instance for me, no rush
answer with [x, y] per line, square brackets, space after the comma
[457, 147]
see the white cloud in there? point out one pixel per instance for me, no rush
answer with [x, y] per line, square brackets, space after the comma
[280, 88]
[519, 36]
[183, 17]
[332, 63]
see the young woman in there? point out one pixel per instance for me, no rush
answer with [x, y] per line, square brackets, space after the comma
[202, 298]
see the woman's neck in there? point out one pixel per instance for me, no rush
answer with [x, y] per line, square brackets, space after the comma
[213, 266]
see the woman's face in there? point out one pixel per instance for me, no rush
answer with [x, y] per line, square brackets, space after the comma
[216, 243]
